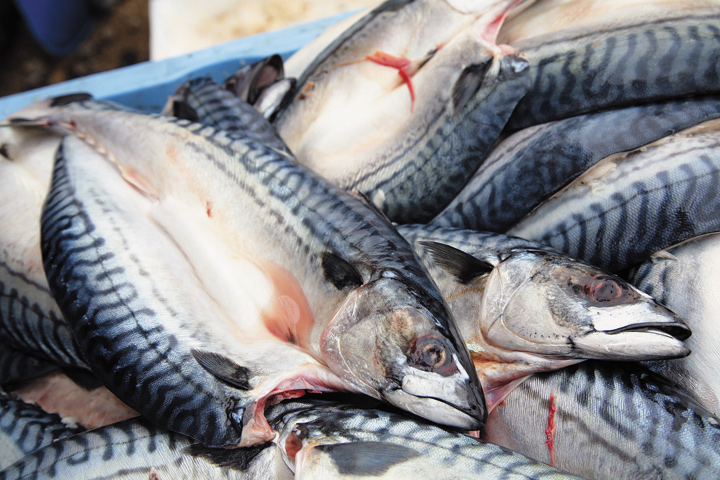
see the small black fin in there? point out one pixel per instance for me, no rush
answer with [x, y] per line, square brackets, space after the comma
[462, 265]
[4, 152]
[184, 111]
[223, 368]
[71, 98]
[230, 458]
[340, 272]
[367, 458]
[469, 82]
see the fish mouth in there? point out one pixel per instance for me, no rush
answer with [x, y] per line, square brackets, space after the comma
[635, 343]
[438, 410]
[679, 331]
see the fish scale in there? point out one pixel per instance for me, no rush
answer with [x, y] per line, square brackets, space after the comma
[200, 198]
[636, 425]
[657, 196]
[630, 61]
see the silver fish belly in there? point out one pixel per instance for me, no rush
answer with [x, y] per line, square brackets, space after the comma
[684, 278]
[632, 204]
[531, 165]
[634, 424]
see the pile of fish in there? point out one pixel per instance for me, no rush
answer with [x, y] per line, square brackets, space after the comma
[413, 247]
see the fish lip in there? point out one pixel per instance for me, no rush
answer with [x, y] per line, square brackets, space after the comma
[677, 330]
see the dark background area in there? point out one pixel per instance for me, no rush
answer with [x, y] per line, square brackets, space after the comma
[119, 38]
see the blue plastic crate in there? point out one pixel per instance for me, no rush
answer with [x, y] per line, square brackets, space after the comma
[146, 86]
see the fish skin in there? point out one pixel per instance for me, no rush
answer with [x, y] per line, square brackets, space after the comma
[526, 280]
[632, 204]
[532, 164]
[321, 439]
[611, 421]
[462, 83]
[25, 427]
[683, 277]
[627, 60]
[136, 448]
[17, 366]
[334, 225]
[219, 108]
[30, 320]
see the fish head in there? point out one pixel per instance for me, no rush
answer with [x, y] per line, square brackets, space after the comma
[560, 307]
[386, 343]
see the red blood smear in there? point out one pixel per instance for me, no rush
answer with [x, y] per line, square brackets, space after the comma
[550, 430]
[382, 58]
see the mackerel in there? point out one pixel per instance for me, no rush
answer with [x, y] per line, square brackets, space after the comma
[523, 308]
[204, 101]
[136, 448]
[430, 113]
[30, 320]
[684, 277]
[353, 280]
[531, 165]
[25, 427]
[632, 204]
[610, 56]
[602, 420]
[332, 440]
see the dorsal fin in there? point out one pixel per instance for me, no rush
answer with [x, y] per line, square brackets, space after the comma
[461, 265]
[366, 200]
[181, 109]
[340, 272]
[71, 98]
[223, 368]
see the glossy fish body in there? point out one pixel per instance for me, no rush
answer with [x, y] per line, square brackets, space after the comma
[617, 57]
[630, 205]
[523, 308]
[608, 421]
[331, 440]
[353, 280]
[204, 101]
[135, 449]
[30, 320]
[430, 113]
[531, 165]
[684, 278]
[25, 427]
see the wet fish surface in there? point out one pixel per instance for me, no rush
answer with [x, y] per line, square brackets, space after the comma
[632, 204]
[684, 278]
[25, 428]
[625, 60]
[533, 164]
[606, 420]
[331, 440]
[354, 269]
[523, 308]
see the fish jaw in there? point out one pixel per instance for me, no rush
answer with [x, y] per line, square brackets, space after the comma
[389, 347]
[578, 311]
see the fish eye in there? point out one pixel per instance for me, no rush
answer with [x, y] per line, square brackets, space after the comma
[601, 289]
[430, 353]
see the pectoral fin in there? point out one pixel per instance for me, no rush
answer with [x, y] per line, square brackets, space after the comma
[463, 266]
[224, 368]
[340, 272]
[365, 458]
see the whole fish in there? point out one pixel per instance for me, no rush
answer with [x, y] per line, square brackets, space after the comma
[684, 278]
[204, 101]
[523, 308]
[25, 427]
[439, 116]
[531, 165]
[590, 55]
[320, 439]
[137, 449]
[356, 291]
[30, 320]
[632, 204]
[601, 420]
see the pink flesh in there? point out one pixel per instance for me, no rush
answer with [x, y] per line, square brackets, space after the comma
[550, 430]
[56, 393]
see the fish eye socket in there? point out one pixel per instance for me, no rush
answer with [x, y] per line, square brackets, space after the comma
[430, 353]
[602, 289]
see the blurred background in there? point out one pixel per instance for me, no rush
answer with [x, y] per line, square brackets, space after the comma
[49, 41]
